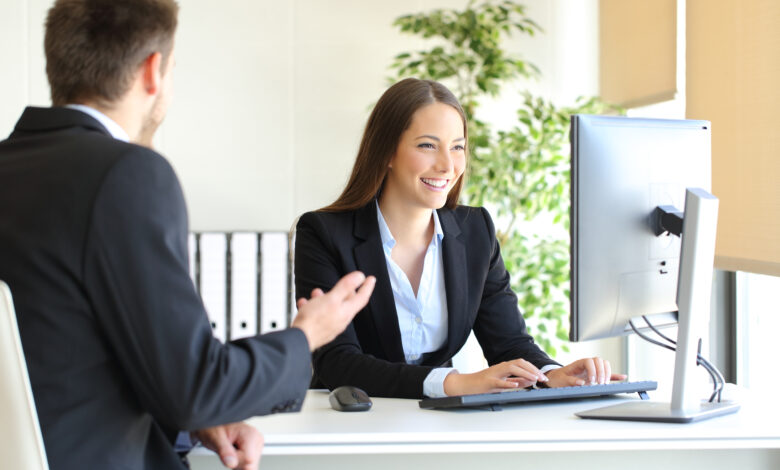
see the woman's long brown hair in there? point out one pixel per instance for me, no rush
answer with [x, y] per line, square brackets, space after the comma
[391, 116]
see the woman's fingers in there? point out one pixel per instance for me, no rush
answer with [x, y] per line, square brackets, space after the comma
[513, 374]
[527, 366]
[590, 369]
[599, 364]
[525, 374]
[501, 384]
[521, 383]
[618, 377]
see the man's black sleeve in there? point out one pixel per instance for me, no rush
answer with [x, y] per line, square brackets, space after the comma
[136, 272]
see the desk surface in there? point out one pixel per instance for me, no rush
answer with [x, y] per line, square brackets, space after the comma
[396, 425]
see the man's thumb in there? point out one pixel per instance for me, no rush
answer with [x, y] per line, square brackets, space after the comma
[347, 284]
[228, 456]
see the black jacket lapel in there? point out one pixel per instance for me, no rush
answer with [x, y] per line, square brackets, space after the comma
[456, 284]
[370, 259]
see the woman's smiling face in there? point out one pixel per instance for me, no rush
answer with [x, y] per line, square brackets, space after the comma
[430, 158]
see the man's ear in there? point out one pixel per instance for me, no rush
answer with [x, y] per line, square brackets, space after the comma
[151, 75]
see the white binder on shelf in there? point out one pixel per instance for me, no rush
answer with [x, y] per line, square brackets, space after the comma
[274, 291]
[213, 280]
[192, 244]
[293, 301]
[243, 284]
[291, 266]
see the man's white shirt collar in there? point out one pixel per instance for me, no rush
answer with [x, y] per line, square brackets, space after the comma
[111, 126]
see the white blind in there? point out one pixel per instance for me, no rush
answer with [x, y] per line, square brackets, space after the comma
[638, 51]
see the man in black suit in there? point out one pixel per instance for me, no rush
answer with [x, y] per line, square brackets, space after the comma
[93, 244]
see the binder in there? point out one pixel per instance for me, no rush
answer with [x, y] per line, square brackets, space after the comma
[243, 276]
[274, 281]
[192, 245]
[293, 305]
[213, 280]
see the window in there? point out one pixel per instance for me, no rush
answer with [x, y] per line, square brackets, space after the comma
[757, 325]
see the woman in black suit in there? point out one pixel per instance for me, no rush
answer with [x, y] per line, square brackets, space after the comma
[438, 265]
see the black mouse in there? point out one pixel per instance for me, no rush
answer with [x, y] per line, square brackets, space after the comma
[349, 398]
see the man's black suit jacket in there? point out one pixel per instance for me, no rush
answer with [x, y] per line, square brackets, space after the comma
[369, 354]
[93, 244]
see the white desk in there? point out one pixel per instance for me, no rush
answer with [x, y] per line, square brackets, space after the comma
[398, 434]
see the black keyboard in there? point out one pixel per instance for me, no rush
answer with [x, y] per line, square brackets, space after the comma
[539, 394]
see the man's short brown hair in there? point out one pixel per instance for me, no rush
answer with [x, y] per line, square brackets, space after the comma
[93, 47]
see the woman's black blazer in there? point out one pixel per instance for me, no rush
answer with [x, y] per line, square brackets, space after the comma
[369, 354]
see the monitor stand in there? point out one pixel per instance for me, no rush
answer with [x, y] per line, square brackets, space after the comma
[693, 301]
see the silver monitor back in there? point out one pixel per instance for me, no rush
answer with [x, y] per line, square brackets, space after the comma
[621, 170]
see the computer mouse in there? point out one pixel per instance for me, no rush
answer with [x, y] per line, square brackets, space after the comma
[349, 398]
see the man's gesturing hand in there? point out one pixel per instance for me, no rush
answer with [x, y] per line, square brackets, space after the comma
[238, 445]
[324, 316]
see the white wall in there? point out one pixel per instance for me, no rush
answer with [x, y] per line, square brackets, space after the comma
[271, 96]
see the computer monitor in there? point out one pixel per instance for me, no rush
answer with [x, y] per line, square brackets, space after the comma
[626, 173]
[622, 169]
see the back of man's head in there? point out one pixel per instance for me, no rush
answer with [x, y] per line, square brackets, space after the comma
[94, 47]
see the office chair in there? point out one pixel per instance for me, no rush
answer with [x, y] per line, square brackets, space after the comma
[21, 444]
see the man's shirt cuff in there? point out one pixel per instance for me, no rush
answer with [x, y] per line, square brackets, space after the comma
[183, 443]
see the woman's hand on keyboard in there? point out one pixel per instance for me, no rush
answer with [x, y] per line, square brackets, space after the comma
[588, 371]
[508, 375]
